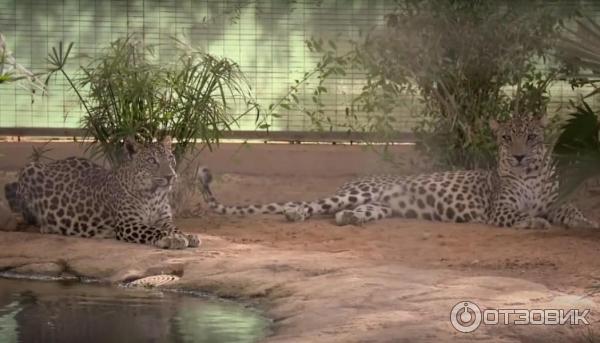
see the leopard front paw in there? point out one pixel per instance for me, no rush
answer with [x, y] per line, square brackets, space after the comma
[296, 214]
[172, 241]
[193, 241]
[347, 217]
[533, 223]
[582, 224]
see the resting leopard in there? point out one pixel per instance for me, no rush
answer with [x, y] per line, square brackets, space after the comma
[77, 197]
[521, 192]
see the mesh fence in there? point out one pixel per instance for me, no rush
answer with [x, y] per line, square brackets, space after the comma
[266, 37]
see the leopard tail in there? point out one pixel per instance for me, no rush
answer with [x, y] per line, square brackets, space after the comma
[322, 206]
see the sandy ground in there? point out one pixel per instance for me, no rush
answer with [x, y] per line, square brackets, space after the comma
[391, 281]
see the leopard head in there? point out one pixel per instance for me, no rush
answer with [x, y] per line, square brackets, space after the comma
[151, 166]
[520, 143]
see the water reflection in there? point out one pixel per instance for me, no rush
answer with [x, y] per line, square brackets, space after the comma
[58, 312]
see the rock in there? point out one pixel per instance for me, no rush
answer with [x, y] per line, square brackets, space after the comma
[44, 269]
[8, 222]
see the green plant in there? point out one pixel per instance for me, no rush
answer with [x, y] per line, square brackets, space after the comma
[127, 92]
[579, 50]
[11, 71]
[40, 153]
[458, 61]
[577, 150]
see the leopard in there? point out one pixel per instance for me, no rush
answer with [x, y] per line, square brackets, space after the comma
[128, 202]
[521, 191]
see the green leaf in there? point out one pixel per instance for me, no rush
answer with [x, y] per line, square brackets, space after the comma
[332, 45]
[129, 94]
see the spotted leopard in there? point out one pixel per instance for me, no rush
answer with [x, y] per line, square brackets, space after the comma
[77, 197]
[521, 192]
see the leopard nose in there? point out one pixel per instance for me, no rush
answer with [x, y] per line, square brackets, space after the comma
[519, 158]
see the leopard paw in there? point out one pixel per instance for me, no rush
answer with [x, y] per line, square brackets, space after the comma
[533, 223]
[193, 241]
[173, 241]
[296, 214]
[582, 224]
[347, 217]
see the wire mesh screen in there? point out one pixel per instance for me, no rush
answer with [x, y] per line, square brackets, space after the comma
[265, 37]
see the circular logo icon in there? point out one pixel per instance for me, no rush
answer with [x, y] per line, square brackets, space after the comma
[465, 316]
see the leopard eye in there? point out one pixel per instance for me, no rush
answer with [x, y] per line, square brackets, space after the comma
[506, 138]
[152, 160]
[531, 137]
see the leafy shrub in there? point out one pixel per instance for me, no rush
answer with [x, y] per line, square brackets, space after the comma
[579, 50]
[127, 92]
[577, 149]
[457, 58]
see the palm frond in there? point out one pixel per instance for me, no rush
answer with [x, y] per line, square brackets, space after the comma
[580, 48]
[11, 71]
[129, 93]
[577, 149]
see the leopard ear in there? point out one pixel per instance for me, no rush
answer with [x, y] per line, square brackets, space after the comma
[167, 142]
[131, 146]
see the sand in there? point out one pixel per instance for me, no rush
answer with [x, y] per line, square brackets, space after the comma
[394, 280]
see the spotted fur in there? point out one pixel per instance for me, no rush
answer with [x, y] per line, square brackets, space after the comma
[521, 192]
[77, 197]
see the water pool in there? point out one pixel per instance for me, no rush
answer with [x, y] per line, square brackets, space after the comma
[44, 311]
